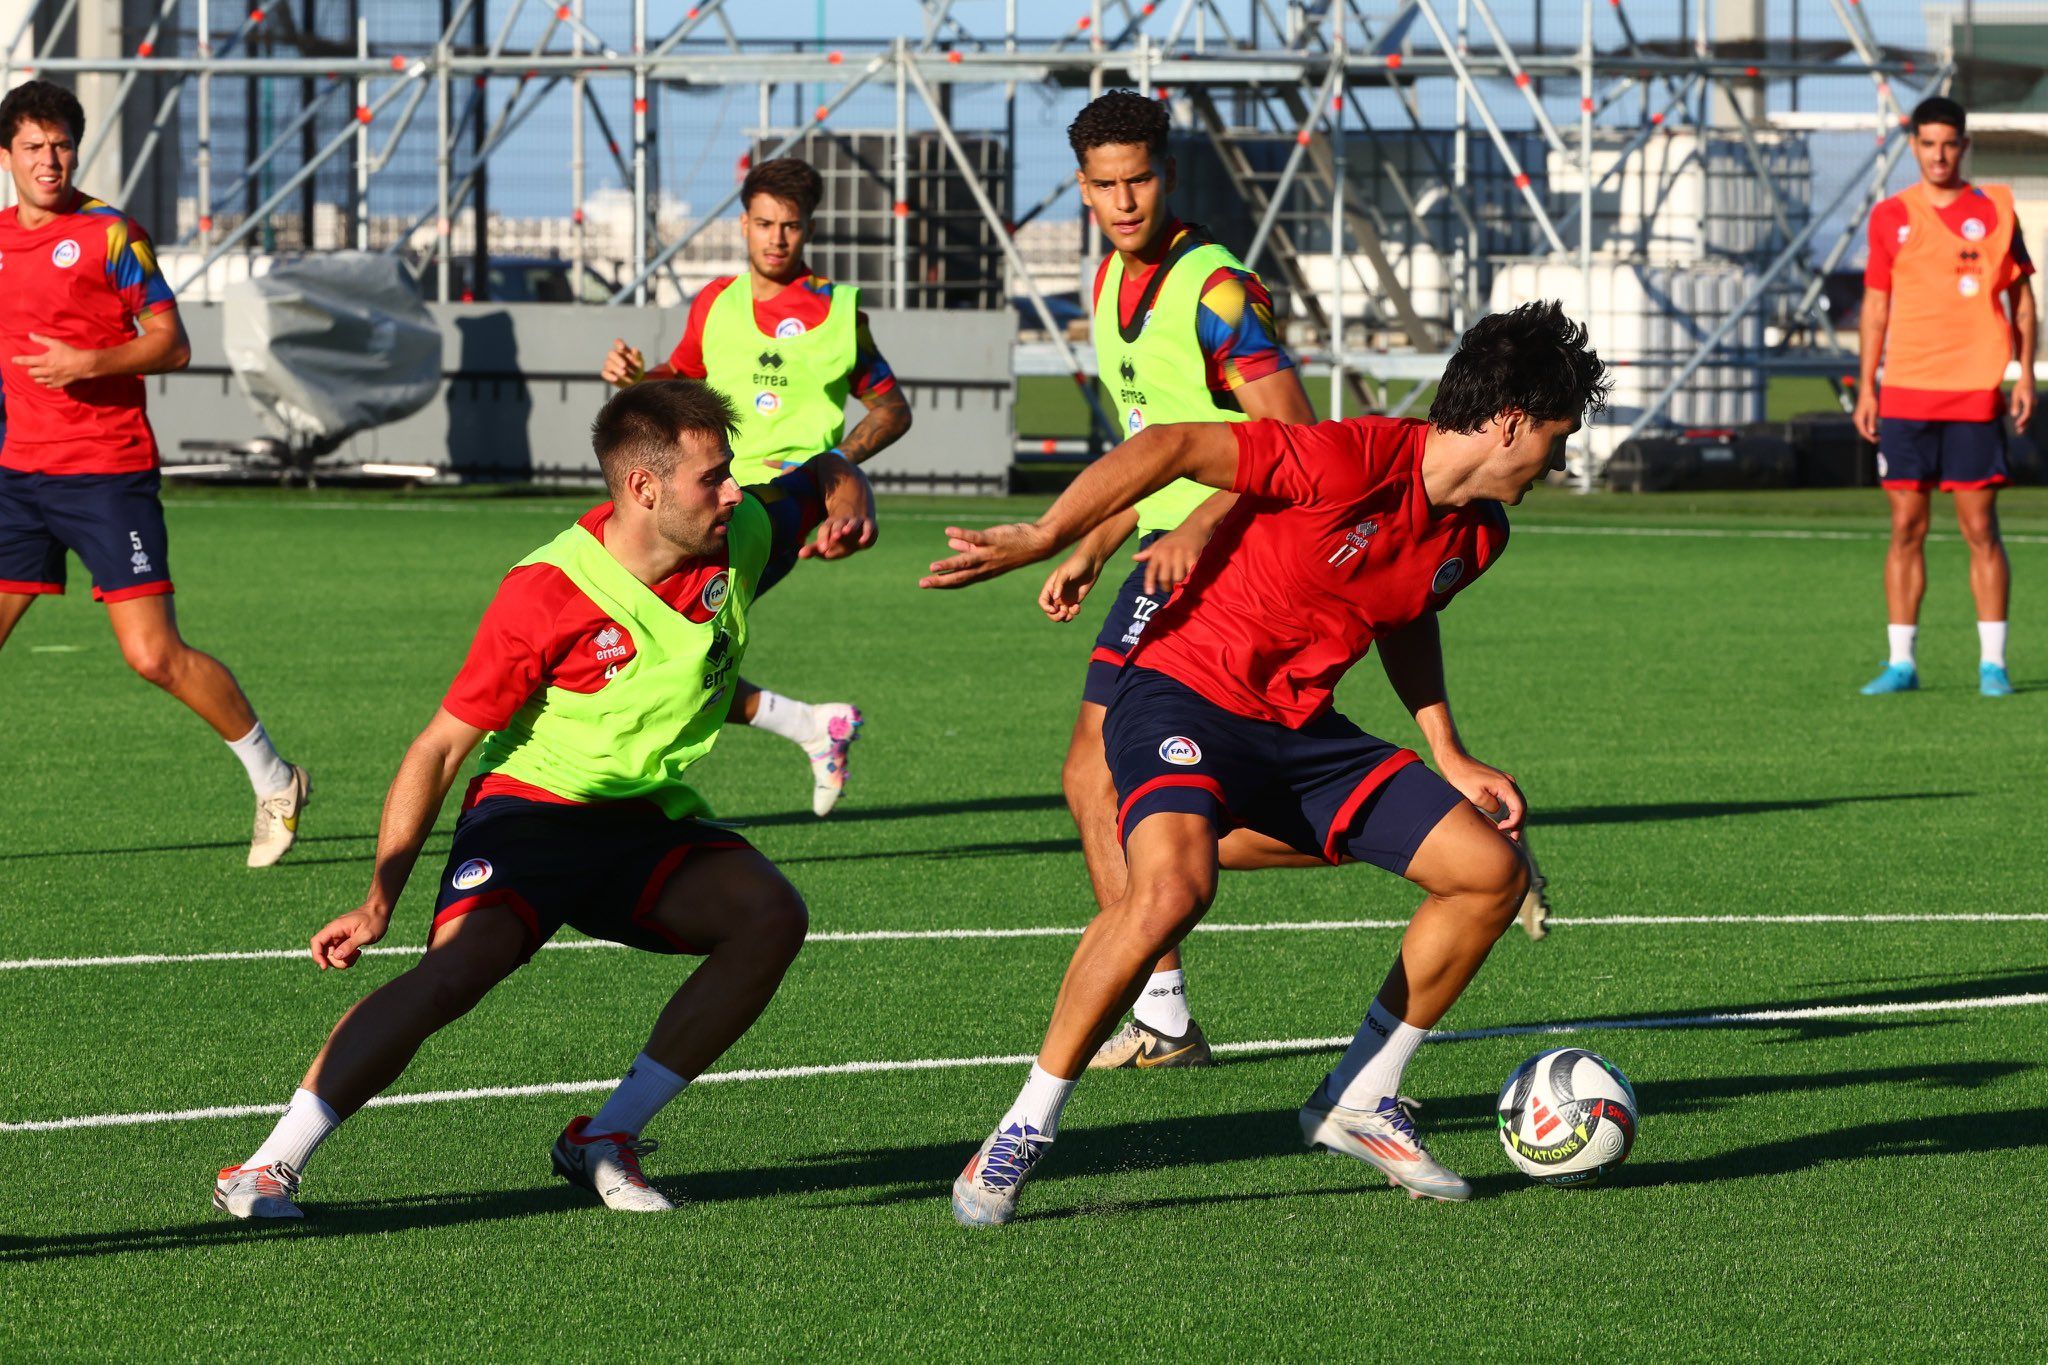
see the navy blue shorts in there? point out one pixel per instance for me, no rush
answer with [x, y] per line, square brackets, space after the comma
[115, 522]
[598, 869]
[1120, 630]
[1950, 456]
[1329, 789]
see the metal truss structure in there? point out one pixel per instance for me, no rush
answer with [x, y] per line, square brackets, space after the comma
[1325, 80]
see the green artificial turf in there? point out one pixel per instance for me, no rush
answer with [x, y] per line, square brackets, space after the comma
[1672, 679]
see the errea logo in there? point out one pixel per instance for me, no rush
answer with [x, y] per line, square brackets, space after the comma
[611, 643]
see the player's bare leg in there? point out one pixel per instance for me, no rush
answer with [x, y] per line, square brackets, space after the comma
[13, 606]
[824, 730]
[369, 1049]
[734, 904]
[1990, 584]
[1905, 584]
[1475, 882]
[1161, 1032]
[1172, 861]
[375, 1041]
[146, 628]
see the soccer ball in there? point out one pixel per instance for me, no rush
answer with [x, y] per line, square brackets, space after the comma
[1567, 1117]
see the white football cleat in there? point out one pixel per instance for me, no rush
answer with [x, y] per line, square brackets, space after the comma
[839, 725]
[258, 1191]
[608, 1165]
[1384, 1139]
[277, 819]
[985, 1195]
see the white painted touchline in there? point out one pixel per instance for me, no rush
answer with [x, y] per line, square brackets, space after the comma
[784, 1073]
[1045, 931]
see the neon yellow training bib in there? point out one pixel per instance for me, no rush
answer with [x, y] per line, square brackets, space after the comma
[638, 734]
[1156, 370]
[790, 392]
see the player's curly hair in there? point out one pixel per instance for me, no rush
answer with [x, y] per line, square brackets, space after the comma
[41, 102]
[642, 427]
[1533, 360]
[788, 178]
[1120, 118]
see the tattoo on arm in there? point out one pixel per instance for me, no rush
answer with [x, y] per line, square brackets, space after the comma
[888, 418]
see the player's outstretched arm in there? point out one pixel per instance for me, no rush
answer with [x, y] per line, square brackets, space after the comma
[1413, 658]
[428, 770]
[1203, 451]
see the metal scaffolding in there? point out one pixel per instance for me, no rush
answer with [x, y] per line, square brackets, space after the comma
[1323, 120]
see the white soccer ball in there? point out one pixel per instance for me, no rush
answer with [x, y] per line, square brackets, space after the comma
[1567, 1117]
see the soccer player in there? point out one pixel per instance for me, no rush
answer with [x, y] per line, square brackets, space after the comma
[600, 674]
[84, 315]
[1221, 729]
[1946, 305]
[1183, 332]
[787, 347]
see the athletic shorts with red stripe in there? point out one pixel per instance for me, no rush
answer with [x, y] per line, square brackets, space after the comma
[1950, 456]
[1328, 789]
[598, 869]
[1121, 630]
[115, 523]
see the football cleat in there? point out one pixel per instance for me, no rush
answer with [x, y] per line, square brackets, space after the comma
[1385, 1139]
[985, 1195]
[258, 1191]
[839, 725]
[1535, 912]
[1992, 682]
[1895, 678]
[608, 1165]
[277, 819]
[1135, 1045]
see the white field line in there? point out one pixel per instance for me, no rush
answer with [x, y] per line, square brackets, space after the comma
[783, 1073]
[942, 519]
[1320, 926]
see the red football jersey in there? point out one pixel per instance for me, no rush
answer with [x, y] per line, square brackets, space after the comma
[1331, 544]
[83, 278]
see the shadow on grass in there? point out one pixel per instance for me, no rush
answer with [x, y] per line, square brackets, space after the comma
[1014, 848]
[895, 1175]
[845, 815]
[1707, 810]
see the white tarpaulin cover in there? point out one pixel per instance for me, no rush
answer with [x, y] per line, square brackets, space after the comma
[329, 345]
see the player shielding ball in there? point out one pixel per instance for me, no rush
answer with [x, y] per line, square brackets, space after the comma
[788, 348]
[1183, 332]
[84, 315]
[601, 673]
[1345, 534]
[1948, 303]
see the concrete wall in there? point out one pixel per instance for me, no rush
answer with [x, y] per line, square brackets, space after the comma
[520, 387]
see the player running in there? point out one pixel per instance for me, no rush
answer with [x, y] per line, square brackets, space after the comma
[1183, 332]
[599, 676]
[787, 347]
[1346, 533]
[84, 315]
[1946, 305]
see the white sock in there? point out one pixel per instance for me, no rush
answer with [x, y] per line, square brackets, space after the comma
[1991, 642]
[646, 1087]
[267, 772]
[1371, 1067]
[306, 1123]
[1163, 1007]
[779, 715]
[1901, 638]
[1039, 1103]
